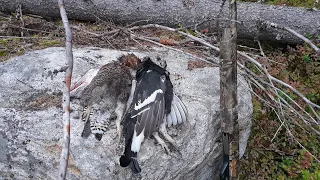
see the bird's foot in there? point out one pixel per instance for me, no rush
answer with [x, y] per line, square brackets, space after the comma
[165, 134]
[161, 142]
[119, 132]
[120, 109]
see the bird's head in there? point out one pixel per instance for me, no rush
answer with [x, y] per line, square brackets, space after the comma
[130, 60]
[162, 63]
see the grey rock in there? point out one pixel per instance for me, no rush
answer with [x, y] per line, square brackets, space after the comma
[31, 121]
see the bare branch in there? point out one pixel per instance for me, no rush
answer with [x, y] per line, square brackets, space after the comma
[25, 37]
[171, 48]
[28, 29]
[313, 46]
[314, 3]
[66, 95]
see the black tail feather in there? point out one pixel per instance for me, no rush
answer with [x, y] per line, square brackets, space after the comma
[125, 161]
[98, 136]
[135, 165]
[126, 158]
[129, 157]
[86, 130]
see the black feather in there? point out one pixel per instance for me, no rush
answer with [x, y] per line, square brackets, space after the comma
[86, 130]
[128, 130]
[135, 166]
[98, 136]
[152, 82]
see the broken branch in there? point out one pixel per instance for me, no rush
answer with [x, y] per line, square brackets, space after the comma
[66, 95]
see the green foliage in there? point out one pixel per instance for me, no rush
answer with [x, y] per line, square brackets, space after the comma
[38, 34]
[309, 36]
[3, 52]
[301, 168]
[11, 46]
[187, 30]
[283, 158]
[313, 97]
[292, 96]
[48, 43]
[306, 58]
[295, 3]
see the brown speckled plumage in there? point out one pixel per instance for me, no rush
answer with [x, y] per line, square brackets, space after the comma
[112, 80]
[108, 91]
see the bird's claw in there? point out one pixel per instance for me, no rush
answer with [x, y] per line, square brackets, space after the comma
[161, 142]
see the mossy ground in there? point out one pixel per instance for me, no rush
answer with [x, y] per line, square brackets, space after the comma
[272, 155]
[295, 3]
[282, 158]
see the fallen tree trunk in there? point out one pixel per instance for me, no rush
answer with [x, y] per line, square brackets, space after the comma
[183, 12]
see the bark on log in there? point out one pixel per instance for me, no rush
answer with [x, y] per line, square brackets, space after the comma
[186, 13]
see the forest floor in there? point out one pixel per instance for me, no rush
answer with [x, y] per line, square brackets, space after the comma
[276, 155]
[269, 155]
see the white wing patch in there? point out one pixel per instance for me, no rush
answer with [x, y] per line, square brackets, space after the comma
[146, 109]
[136, 141]
[147, 101]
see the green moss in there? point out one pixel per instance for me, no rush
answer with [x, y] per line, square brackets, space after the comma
[48, 43]
[3, 42]
[256, 109]
[282, 158]
[295, 3]
[3, 53]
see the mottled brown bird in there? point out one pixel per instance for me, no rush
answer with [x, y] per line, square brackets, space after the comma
[107, 95]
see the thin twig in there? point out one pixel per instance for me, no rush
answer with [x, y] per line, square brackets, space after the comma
[287, 96]
[314, 3]
[261, 50]
[28, 29]
[275, 134]
[171, 48]
[66, 95]
[79, 29]
[295, 91]
[310, 104]
[302, 146]
[135, 23]
[25, 37]
[180, 32]
[283, 124]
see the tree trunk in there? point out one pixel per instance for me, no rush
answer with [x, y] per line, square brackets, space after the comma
[183, 12]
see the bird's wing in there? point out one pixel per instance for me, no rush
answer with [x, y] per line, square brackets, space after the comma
[149, 110]
[148, 107]
[178, 113]
[84, 81]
